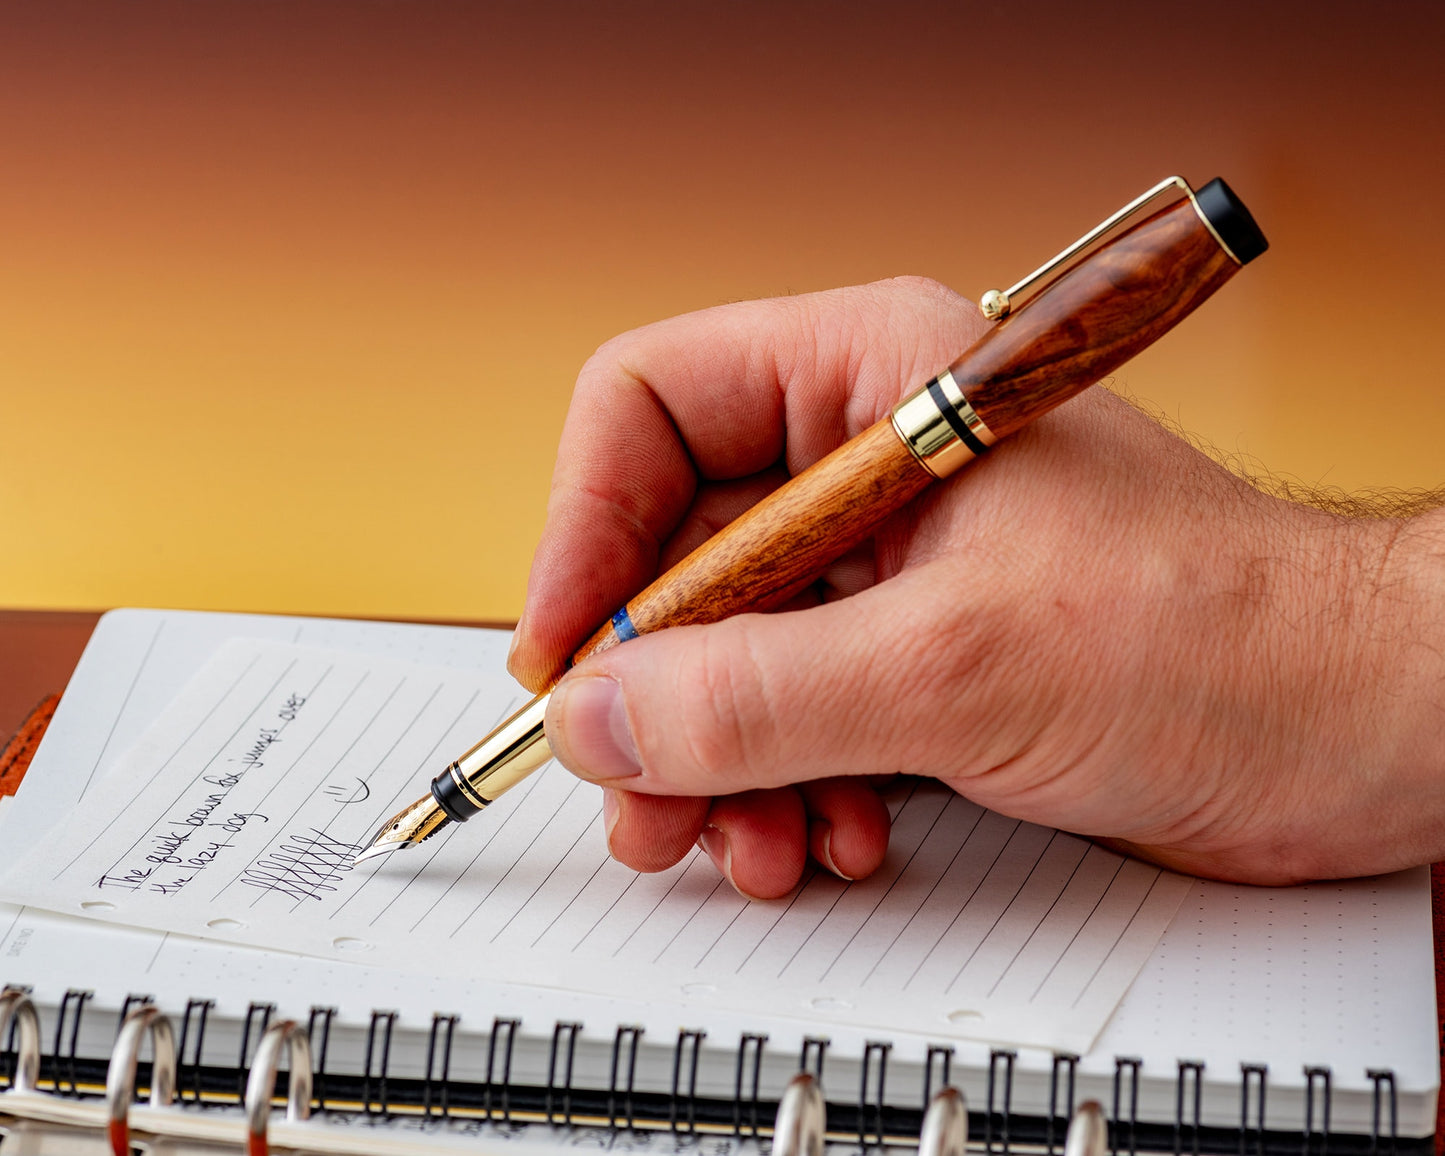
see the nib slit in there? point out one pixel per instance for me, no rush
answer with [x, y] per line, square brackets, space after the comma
[417, 823]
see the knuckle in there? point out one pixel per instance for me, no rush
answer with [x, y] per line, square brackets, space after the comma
[925, 287]
[725, 722]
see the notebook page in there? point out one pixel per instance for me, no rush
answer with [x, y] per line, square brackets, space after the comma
[1353, 957]
[138, 660]
[235, 817]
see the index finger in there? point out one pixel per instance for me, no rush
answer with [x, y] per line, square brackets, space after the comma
[719, 394]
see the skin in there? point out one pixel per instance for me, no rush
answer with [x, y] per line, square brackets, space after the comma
[1095, 627]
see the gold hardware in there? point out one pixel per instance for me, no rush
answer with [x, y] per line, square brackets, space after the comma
[496, 764]
[939, 434]
[997, 304]
[418, 822]
[506, 756]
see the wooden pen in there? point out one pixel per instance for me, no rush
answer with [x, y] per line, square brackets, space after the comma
[1090, 309]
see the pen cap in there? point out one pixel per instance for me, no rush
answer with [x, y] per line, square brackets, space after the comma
[1232, 222]
[1103, 310]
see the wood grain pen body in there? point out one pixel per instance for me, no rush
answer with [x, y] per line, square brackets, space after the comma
[1084, 328]
[1085, 324]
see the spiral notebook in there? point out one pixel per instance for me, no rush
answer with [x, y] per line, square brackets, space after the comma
[1262, 1016]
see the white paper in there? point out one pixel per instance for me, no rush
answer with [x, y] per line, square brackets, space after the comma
[236, 816]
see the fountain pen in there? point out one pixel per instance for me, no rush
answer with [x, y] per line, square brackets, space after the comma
[1072, 321]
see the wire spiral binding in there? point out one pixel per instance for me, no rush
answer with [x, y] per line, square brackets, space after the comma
[1001, 1109]
[750, 1045]
[1383, 1078]
[260, 1015]
[319, 1020]
[1252, 1075]
[1190, 1071]
[940, 1057]
[1123, 1125]
[510, 1026]
[199, 1010]
[880, 1050]
[75, 998]
[443, 1029]
[1064, 1064]
[383, 1023]
[1317, 1078]
[689, 1044]
[617, 1101]
[564, 1040]
[814, 1050]
[626, 1037]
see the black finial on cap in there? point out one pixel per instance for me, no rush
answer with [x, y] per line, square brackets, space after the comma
[1231, 220]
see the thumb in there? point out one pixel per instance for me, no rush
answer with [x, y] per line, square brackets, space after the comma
[756, 701]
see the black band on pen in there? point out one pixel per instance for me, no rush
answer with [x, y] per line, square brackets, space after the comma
[450, 799]
[955, 422]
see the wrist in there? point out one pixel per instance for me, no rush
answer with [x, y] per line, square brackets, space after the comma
[1386, 779]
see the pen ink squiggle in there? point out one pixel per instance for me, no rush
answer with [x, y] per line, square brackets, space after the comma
[306, 866]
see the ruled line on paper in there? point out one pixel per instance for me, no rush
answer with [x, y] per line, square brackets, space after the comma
[1017, 915]
[158, 771]
[100, 755]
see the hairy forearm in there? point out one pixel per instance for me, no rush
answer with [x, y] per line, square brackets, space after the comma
[1410, 602]
[1389, 668]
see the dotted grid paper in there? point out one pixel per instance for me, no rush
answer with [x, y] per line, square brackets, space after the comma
[1336, 975]
[237, 814]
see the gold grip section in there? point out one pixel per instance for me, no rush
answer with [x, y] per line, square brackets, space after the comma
[931, 431]
[506, 756]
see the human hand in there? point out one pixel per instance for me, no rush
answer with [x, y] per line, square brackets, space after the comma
[1095, 627]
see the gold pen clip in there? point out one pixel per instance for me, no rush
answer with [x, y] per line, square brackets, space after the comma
[998, 304]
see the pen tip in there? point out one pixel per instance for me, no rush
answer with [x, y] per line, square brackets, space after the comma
[407, 828]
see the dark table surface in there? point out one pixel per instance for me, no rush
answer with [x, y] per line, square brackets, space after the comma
[38, 650]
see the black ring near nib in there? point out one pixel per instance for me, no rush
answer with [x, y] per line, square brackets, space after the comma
[407, 828]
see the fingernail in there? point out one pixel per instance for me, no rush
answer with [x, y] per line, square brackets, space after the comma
[594, 738]
[714, 845]
[611, 812]
[823, 848]
[516, 640]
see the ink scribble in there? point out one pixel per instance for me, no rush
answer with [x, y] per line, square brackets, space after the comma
[344, 794]
[305, 866]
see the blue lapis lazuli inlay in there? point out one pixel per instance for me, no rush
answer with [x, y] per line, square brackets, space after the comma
[622, 626]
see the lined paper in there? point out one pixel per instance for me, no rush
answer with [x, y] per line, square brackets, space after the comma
[236, 815]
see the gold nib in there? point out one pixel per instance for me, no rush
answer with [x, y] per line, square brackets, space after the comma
[407, 828]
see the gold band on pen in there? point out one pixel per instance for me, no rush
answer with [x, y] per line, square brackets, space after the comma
[505, 757]
[939, 426]
[471, 796]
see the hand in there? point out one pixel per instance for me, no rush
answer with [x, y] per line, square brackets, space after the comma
[1095, 627]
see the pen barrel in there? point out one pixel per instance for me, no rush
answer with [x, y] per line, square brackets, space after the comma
[1098, 315]
[777, 547]
[1103, 311]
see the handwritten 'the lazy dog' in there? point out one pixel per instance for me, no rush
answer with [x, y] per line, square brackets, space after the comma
[179, 849]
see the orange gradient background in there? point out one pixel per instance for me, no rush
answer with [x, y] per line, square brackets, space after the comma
[292, 297]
